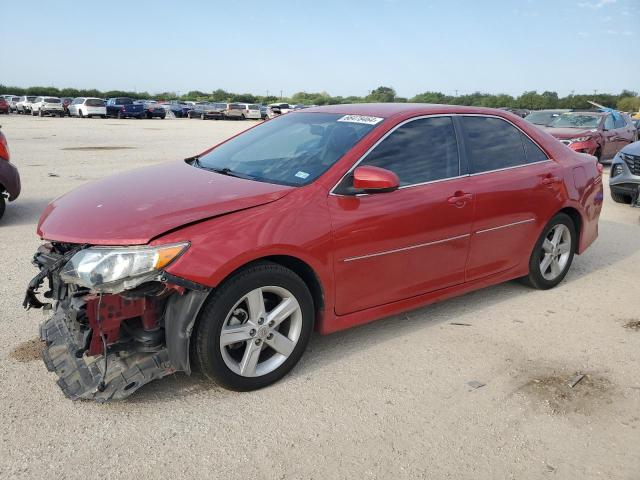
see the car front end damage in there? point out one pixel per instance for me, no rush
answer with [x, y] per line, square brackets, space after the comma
[114, 326]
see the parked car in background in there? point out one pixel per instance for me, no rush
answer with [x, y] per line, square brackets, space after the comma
[320, 219]
[179, 109]
[124, 107]
[66, 101]
[275, 109]
[521, 112]
[601, 134]
[152, 109]
[263, 112]
[9, 176]
[543, 118]
[4, 106]
[624, 177]
[47, 106]
[24, 104]
[206, 111]
[13, 104]
[234, 111]
[88, 107]
[251, 111]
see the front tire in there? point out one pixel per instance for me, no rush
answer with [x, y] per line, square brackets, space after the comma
[553, 253]
[255, 328]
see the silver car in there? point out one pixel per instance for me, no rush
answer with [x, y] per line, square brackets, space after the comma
[624, 180]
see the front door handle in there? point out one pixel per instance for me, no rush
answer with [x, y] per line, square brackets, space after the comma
[459, 199]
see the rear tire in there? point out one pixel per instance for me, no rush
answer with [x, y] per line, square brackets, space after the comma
[621, 198]
[2, 205]
[277, 288]
[552, 254]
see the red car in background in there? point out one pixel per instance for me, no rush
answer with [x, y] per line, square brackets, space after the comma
[9, 176]
[4, 105]
[601, 134]
[323, 218]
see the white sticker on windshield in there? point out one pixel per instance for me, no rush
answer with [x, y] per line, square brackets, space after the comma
[302, 175]
[360, 119]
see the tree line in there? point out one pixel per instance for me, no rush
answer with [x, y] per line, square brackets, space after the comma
[532, 100]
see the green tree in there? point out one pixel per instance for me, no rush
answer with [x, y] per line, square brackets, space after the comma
[381, 94]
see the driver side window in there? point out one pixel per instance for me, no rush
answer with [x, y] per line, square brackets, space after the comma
[420, 151]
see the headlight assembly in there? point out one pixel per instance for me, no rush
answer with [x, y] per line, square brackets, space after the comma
[113, 269]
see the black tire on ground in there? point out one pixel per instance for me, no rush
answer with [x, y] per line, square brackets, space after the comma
[149, 116]
[80, 114]
[40, 113]
[2, 205]
[103, 116]
[535, 278]
[621, 198]
[206, 354]
[162, 117]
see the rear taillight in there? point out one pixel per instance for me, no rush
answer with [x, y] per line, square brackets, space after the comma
[4, 148]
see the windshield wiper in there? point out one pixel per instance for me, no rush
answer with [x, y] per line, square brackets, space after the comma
[222, 171]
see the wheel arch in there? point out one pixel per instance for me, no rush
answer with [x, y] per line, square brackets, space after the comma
[182, 314]
[575, 216]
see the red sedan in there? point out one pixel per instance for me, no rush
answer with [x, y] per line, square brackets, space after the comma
[320, 219]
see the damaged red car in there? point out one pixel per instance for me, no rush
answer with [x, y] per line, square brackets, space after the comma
[321, 219]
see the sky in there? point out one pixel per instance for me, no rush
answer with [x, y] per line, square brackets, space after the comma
[343, 47]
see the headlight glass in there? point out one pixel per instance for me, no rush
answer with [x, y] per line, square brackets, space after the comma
[102, 268]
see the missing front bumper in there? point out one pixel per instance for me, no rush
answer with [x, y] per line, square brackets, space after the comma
[81, 375]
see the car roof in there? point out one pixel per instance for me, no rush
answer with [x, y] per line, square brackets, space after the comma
[386, 110]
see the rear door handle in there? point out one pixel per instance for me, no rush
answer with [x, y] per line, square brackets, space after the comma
[460, 198]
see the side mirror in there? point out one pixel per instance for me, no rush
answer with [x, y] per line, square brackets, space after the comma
[375, 180]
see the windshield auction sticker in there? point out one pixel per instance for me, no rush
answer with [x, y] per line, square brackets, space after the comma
[360, 119]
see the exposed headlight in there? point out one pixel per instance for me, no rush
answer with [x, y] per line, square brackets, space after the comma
[111, 269]
[579, 139]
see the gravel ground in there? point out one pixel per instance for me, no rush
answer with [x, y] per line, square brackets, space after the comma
[399, 398]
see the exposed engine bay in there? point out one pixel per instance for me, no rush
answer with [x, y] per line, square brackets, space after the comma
[105, 346]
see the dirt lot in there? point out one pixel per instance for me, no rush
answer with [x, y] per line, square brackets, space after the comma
[399, 398]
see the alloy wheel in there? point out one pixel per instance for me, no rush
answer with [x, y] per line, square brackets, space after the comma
[261, 331]
[556, 250]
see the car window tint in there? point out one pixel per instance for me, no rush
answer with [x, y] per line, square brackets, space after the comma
[609, 124]
[492, 143]
[532, 151]
[419, 151]
[620, 122]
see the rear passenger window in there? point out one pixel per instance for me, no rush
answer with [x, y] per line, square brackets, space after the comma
[419, 151]
[493, 144]
[532, 151]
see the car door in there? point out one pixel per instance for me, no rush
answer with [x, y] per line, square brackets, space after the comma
[516, 187]
[624, 131]
[392, 246]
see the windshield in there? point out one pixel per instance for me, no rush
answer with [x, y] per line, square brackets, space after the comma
[293, 149]
[542, 117]
[576, 120]
[51, 100]
[123, 101]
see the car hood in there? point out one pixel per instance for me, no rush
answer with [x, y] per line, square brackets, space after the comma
[632, 149]
[570, 132]
[134, 207]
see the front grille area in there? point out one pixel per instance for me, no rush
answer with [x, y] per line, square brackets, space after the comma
[633, 162]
